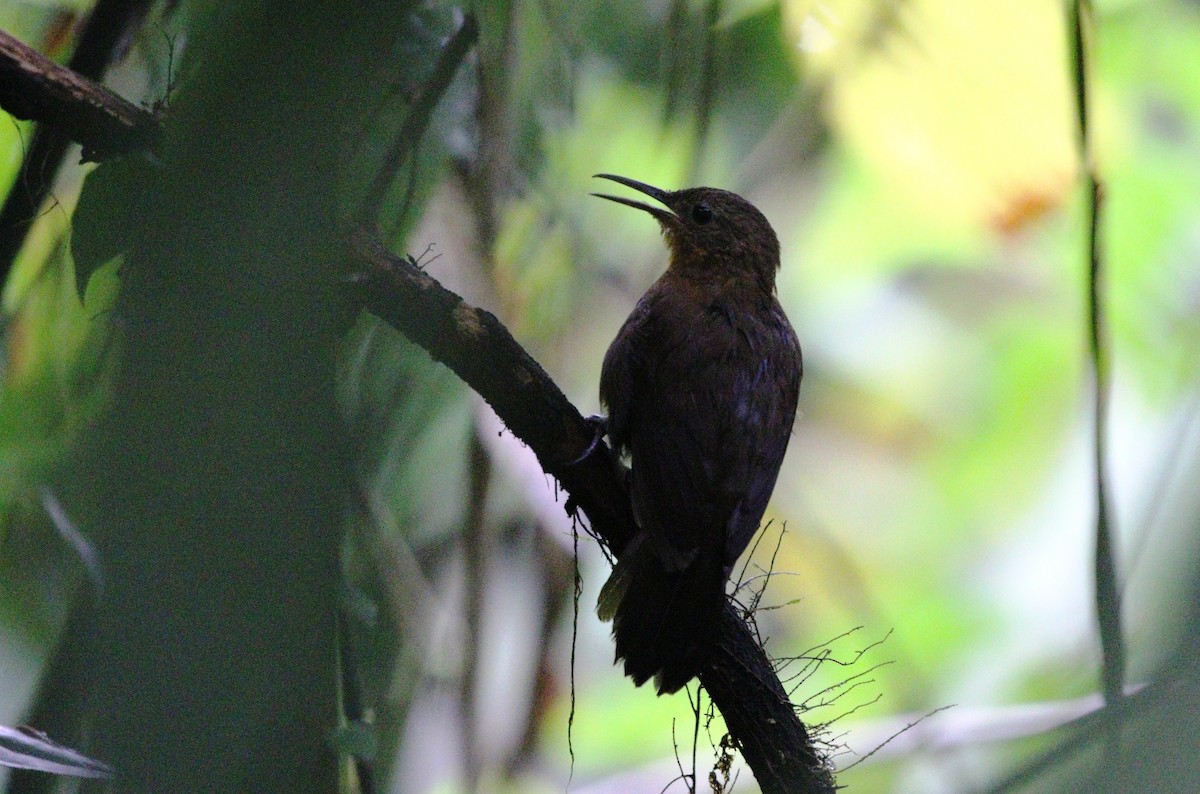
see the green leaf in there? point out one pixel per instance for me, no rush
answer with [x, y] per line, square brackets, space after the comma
[106, 219]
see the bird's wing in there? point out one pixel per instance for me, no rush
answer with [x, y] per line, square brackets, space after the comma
[771, 389]
[619, 374]
[684, 422]
[703, 394]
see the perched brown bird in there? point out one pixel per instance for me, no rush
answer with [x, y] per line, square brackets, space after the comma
[700, 386]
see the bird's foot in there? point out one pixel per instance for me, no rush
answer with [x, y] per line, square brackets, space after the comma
[599, 426]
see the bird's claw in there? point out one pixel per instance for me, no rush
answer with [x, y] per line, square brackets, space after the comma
[599, 430]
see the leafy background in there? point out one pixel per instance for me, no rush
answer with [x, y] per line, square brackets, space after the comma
[933, 522]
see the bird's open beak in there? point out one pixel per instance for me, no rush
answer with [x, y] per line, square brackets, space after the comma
[664, 216]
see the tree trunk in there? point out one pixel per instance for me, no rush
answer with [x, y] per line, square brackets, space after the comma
[214, 486]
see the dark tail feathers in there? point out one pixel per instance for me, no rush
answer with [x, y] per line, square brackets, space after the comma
[664, 621]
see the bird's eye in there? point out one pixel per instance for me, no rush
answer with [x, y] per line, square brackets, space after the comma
[701, 214]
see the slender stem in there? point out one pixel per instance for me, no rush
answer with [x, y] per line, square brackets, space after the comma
[708, 82]
[1108, 599]
[475, 543]
[452, 56]
[352, 697]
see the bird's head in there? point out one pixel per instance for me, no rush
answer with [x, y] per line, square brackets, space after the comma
[709, 229]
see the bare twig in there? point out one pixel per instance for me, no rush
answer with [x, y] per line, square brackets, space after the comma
[576, 594]
[907, 727]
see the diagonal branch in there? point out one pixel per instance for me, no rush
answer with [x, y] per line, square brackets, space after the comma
[480, 350]
[473, 343]
[108, 25]
[36, 88]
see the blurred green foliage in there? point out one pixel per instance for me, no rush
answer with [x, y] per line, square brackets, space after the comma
[917, 160]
